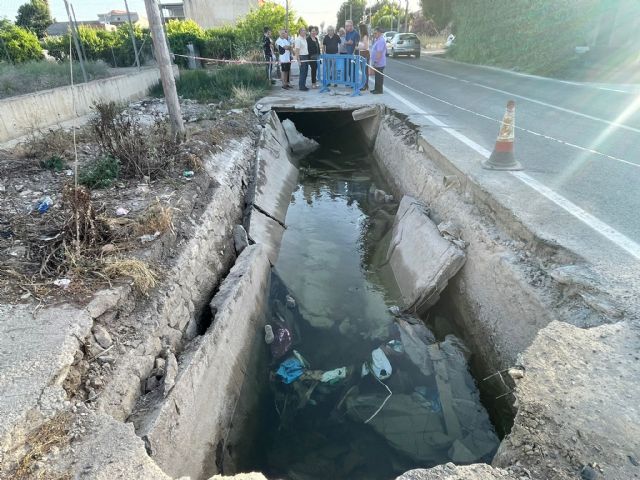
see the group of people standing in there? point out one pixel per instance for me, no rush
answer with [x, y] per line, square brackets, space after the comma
[306, 50]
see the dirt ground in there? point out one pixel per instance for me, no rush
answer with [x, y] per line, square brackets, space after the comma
[41, 258]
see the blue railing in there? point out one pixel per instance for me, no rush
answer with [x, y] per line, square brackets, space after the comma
[349, 70]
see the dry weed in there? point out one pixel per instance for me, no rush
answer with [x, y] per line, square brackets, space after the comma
[157, 218]
[143, 277]
[52, 433]
[245, 96]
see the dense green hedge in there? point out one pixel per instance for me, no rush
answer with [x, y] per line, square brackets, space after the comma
[532, 36]
[18, 44]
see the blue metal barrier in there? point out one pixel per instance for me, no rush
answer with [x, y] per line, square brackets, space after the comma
[341, 69]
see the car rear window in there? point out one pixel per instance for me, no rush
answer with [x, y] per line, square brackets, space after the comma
[408, 37]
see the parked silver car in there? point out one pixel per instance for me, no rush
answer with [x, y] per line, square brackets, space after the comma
[404, 44]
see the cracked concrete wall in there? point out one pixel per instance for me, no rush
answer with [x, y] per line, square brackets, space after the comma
[188, 434]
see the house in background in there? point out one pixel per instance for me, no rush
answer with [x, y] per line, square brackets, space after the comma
[119, 17]
[209, 13]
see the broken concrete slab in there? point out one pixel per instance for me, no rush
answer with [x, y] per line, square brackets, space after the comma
[577, 403]
[449, 471]
[275, 180]
[422, 261]
[185, 430]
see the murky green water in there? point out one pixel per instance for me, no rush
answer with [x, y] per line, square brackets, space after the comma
[332, 262]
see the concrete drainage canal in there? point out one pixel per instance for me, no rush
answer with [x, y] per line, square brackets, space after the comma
[360, 371]
[359, 333]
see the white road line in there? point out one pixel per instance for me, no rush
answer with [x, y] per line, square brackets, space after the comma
[528, 99]
[585, 217]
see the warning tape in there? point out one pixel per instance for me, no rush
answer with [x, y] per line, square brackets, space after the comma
[433, 97]
[499, 121]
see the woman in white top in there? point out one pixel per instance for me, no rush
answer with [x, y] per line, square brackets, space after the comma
[283, 45]
[302, 55]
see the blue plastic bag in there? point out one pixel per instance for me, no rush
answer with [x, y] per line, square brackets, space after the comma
[290, 370]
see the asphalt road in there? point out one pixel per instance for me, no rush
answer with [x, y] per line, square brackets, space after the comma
[574, 119]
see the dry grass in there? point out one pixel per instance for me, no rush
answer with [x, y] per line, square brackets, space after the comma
[245, 96]
[53, 433]
[143, 277]
[40, 144]
[432, 42]
[157, 218]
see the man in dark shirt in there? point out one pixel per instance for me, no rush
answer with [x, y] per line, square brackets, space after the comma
[331, 41]
[267, 46]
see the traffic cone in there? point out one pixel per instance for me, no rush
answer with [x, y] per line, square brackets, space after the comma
[502, 157]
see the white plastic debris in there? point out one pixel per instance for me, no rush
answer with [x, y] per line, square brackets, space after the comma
[379, 365]
[62, 282]
[334, 376]
[149, 238]
[121, 211]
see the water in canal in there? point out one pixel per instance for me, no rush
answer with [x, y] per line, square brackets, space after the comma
[332, 291]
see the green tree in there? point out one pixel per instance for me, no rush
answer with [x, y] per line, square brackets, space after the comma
[440, 11]
[387, 16]
[19, 44]
[351, 10]
[34, 16]
[270, 14]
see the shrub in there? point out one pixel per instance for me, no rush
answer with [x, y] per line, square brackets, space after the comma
[218, 42]
[180, 33]
[19, 44]
[55, 163]
[100, 174]
[140, 152]
[218, 84]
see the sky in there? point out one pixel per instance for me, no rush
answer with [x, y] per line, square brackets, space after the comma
[313, 11]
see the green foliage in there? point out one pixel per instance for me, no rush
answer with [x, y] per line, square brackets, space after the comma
[218, 42]
[100, 173]
[270, 14]
[440, 11]
[35, 17]
[355, 8]
[180, 33]
[537, 37]
[55, 163]
[387, 16]
[114, 47]
[18, 44]
[214, 85]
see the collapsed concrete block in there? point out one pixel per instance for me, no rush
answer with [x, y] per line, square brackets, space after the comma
[422, 261]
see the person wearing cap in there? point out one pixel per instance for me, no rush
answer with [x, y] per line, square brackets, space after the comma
[378, 59]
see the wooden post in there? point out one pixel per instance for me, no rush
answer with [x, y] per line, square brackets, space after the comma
[166, 70]
[75, 41]
[133, 34]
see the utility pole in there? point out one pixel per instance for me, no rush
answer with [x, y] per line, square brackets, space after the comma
[406, 17]
[350, 11]
[74, 33]
[75, 23]
[166, 71]
[133, 34]
[286, 18]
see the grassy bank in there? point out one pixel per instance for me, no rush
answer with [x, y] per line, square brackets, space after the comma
[535, 37]
[34, 76]
[242, 83]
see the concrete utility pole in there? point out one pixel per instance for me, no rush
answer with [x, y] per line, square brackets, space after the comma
[133, 34]
[75, 23]
[75, 41]
[350, 11]
[406, 17]
[286, 18]
[166, 71]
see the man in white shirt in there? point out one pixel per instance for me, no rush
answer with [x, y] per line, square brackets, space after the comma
[302, 55]
[283, 46]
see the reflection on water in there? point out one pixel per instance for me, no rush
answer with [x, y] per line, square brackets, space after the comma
[332, 267]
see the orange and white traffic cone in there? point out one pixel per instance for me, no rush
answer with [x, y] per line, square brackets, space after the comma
[502, 157]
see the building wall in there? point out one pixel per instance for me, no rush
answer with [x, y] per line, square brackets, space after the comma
[215, 13]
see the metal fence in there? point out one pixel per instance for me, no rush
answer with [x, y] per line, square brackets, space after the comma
[340, 69]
